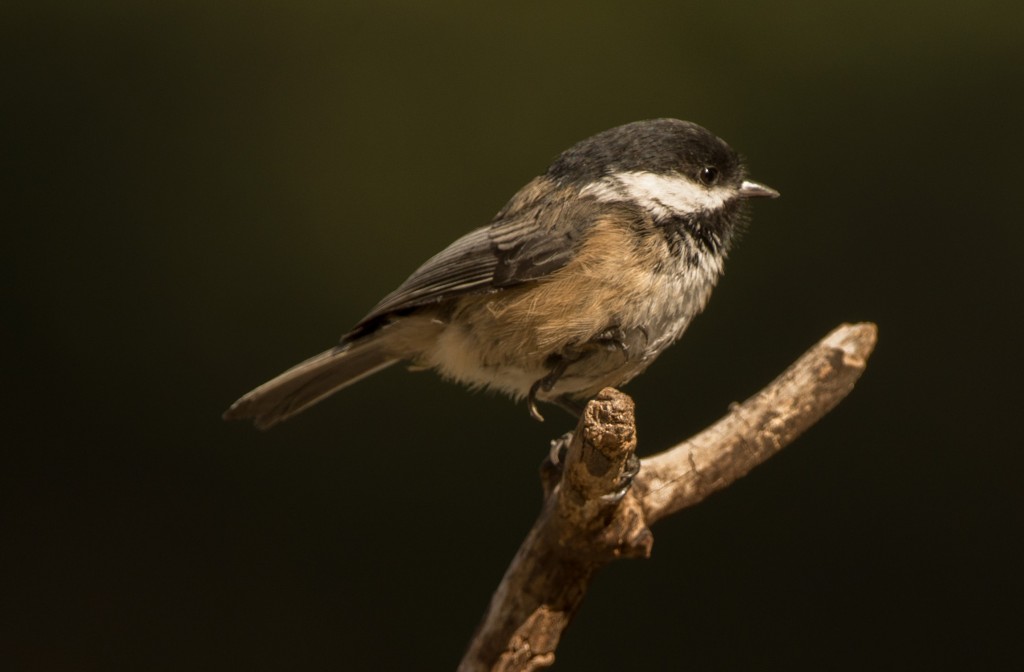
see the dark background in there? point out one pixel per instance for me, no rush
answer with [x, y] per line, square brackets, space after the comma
[200, 194]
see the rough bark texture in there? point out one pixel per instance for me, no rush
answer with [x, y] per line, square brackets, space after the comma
[759, 427]
[579, 529]
[601, 508]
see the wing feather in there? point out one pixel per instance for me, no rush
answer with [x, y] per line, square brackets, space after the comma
[528, 240]
[466, 265]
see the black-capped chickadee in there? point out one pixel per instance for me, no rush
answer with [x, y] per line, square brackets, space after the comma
[578, 283]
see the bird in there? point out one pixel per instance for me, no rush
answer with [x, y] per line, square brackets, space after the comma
[580, 281]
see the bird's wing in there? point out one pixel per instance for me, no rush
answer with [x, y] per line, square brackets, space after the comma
[529, 239]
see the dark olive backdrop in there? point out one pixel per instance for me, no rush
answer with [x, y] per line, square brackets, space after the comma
[200, 194]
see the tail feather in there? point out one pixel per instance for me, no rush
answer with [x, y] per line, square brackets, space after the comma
[305, 384]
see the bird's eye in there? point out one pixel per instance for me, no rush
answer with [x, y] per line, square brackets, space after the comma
[708, 175]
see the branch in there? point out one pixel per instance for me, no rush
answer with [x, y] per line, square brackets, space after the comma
[759, 427]
[602, 508]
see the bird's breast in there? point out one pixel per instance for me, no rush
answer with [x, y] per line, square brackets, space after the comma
[620, 279]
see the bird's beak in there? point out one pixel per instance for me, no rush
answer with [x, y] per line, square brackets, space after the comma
[754, 190]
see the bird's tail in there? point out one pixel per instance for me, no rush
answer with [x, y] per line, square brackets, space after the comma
[305, 384]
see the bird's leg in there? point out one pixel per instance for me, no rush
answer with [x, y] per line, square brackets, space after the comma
[617, 338]
[612, 338]
[560, 363]
[551, 467]
[632, 468]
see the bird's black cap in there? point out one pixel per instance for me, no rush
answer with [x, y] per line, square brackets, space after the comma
[657, 146]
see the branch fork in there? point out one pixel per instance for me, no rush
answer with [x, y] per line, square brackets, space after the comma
[599, 506]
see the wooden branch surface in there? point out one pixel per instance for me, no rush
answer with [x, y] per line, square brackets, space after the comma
[759, 427]
[599, 512]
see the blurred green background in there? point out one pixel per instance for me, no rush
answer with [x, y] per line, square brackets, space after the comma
[200, 194]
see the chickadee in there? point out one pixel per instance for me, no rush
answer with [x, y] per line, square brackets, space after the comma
[578, 283]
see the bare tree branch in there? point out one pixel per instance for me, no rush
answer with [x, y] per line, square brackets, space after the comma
[759, 427]
[599, 511]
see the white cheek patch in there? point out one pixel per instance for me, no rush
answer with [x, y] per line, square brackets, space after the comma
[664, 195]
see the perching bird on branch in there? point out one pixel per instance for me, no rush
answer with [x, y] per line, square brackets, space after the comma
[577, 284]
